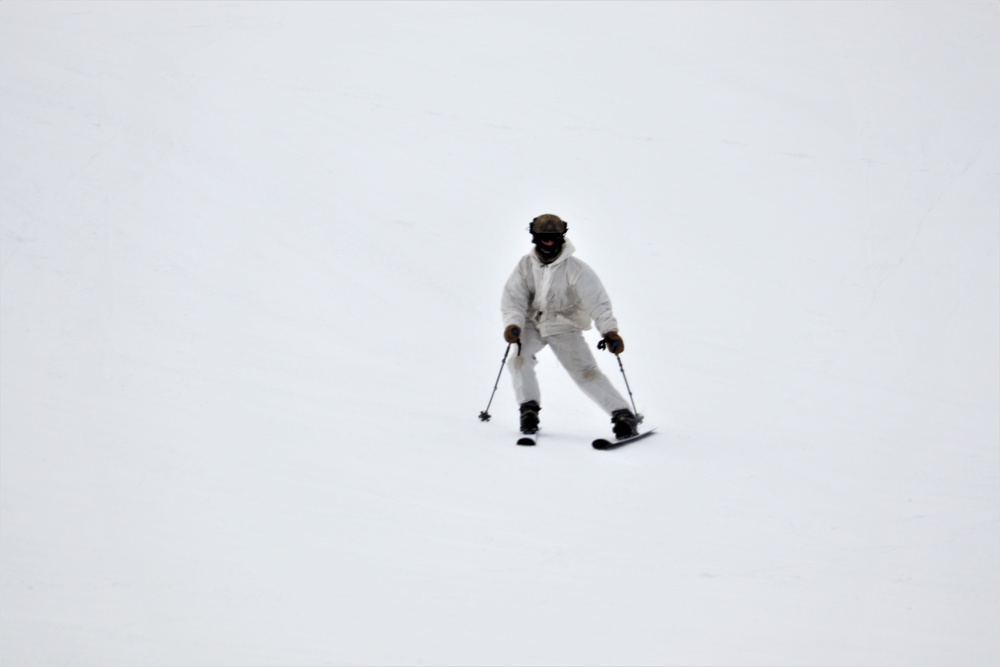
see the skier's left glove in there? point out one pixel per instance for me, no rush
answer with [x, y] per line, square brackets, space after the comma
[613, 342]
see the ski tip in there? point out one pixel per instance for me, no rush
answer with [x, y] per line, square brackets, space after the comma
[604, 443]
[528, 439]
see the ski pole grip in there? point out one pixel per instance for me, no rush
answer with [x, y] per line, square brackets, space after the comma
[605, 342]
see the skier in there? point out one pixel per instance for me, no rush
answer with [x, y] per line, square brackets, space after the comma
[550, 299]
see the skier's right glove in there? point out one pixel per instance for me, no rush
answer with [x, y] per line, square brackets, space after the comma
[512, 334]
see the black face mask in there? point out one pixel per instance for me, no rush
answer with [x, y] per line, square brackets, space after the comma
[548, 245]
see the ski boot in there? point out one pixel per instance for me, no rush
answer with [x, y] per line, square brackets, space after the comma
[529, 417]
[625, 424]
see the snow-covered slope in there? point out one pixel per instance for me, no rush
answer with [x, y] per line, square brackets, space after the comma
[251, 262]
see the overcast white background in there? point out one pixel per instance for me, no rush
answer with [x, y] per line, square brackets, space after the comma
[251, 261]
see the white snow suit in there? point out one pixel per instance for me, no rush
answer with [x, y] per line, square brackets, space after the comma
[553, 304]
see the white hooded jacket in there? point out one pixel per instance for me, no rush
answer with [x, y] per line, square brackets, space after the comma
[563, 296]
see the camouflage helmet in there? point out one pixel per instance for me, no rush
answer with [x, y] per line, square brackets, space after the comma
[548, 223]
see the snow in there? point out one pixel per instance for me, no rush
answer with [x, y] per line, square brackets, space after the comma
[251, 263]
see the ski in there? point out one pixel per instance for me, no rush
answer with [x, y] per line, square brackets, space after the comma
[604, 443]
[528, 439]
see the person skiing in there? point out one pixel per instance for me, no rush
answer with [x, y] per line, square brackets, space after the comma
[550, 299]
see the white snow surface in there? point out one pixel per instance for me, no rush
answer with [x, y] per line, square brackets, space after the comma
[252, 256]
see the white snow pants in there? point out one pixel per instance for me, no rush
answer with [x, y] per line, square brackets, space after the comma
[572, 352]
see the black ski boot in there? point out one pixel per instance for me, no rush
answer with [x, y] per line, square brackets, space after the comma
[624, 423]
[529, 417]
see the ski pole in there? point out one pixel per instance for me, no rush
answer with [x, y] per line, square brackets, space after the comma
[485, 414]
[603, 345]
[634, 411]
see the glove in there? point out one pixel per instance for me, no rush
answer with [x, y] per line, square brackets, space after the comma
[613, 342]
[512, 333]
